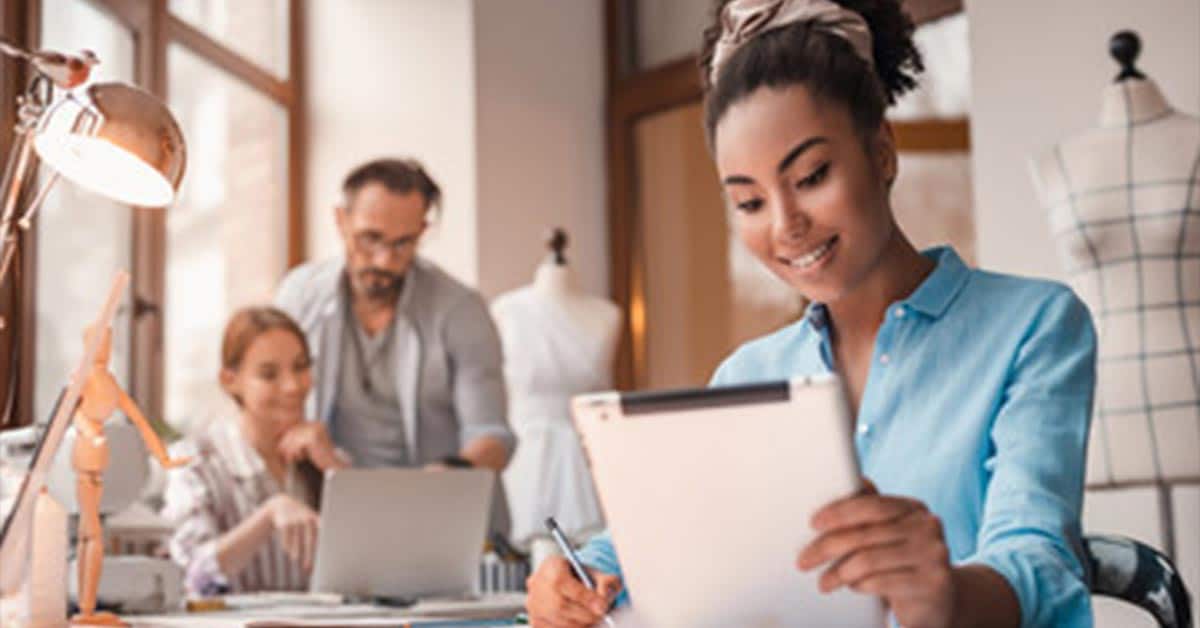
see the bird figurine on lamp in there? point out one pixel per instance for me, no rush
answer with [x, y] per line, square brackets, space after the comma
[99, 398]
[64, 70]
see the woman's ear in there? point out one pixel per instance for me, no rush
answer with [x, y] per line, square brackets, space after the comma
[888, 161]
[230, 384]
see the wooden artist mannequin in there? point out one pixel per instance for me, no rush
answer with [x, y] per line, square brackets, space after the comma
[100, 397]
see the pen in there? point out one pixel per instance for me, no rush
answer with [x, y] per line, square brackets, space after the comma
[576, 566]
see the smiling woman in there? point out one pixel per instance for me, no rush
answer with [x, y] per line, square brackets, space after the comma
[972, 390]
[243, 514]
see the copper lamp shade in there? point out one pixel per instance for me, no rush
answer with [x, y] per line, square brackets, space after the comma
[118, 141]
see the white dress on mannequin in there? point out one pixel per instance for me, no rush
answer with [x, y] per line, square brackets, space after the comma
[1124, 203]
[558, 342]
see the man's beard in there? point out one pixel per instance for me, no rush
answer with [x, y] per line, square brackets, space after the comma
[380, 285]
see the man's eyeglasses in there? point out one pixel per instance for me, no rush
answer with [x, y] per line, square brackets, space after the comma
[373, 243]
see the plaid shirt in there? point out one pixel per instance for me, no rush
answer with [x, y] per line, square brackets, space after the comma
[226, 482]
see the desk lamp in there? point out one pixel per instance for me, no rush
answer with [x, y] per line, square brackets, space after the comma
[112, 139]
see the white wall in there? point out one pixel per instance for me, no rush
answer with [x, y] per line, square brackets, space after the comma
[393, 78]
[502, 100]
[1038, 68]
[540, 138]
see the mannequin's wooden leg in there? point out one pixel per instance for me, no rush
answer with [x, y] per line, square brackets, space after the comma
[90, 553]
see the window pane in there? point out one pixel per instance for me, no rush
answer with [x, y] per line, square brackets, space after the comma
[668, 30]
[82, 238]
[255, 29]
[227, 234]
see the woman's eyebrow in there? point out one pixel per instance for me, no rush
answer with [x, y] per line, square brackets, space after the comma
[799, 150]
[792, 155]
[738, 179]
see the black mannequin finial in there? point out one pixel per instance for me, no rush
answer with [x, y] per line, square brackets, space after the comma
[1125, 47]
[558, 243]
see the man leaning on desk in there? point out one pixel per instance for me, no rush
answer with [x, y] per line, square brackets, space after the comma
[406, 360]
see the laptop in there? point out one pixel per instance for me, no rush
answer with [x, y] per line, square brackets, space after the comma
[709, 493]
[402, 534]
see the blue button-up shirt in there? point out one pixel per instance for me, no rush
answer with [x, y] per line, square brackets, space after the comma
[977, 403]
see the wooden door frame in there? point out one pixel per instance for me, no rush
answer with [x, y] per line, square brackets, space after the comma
[16, 295]
[633, 95]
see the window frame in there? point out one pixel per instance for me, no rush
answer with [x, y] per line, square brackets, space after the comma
[154, 29]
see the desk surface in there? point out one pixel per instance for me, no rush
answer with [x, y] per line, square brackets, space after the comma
[489, 610]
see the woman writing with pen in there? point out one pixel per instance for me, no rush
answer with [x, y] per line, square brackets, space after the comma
[972, 390]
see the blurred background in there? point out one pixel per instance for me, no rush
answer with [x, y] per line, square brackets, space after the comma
[532, 114]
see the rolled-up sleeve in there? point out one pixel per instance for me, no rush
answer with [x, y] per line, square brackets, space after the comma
[480, 400]
[188, 505]
[1030, 531]
[599, 554]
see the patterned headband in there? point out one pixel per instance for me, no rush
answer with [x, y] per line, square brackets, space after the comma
[742, 20]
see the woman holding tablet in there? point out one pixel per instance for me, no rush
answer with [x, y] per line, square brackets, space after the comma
[972, 390]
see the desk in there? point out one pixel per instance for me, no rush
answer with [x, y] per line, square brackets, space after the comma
[489, 610]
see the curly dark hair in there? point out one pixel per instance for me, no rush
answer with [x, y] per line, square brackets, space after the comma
[797, 54]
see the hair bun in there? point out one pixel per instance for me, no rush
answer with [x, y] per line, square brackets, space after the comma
[897, 62]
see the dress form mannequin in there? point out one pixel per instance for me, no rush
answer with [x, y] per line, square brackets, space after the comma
[1124, 204]
[558, 342]
[99, 398]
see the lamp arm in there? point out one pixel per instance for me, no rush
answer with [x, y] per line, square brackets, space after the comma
[12, 50]
[17, 171]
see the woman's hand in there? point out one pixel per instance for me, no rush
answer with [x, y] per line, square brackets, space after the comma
[172, 463]
[310, 440]
[295, 525]
[892, 547]
[558, 600]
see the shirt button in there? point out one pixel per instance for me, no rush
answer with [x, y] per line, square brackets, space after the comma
[899, 312]
[884, 359]
[864, 429]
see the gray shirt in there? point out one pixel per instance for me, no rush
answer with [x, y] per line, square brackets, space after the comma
[367, 419]
[448, 373]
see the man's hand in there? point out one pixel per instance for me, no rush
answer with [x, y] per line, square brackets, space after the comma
[310, 440]
[892, 547]
[558, 600]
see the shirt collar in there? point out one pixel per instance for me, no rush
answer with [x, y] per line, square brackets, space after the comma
[939, 289]
[240, 456]
[931, 298]
[817, 315]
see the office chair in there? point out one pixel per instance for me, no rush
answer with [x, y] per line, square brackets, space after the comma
[1139, 574]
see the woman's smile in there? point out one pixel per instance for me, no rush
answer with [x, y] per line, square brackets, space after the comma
[813, 259]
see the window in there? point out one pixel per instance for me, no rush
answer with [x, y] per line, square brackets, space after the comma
[227, 232]
[230, 70]
[82, 238]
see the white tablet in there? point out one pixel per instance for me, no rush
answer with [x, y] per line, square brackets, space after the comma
[709, 495]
